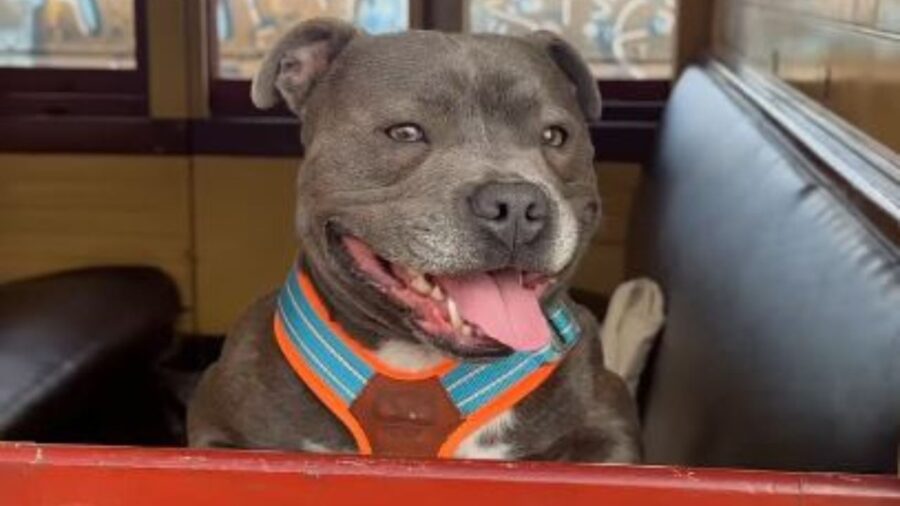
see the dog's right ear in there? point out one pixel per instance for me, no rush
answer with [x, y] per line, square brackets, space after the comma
[299, 58]
[567, 59]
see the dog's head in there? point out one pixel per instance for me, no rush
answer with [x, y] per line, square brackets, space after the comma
[447, 185]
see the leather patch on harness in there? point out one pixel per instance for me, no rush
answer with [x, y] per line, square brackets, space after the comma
[406, 418]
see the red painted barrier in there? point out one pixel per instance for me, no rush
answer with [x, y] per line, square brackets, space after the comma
[35, 475]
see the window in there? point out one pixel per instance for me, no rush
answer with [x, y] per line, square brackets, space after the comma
[245, 29]
[83, 34]
[72, 57]
[619, 38]
[623, 40]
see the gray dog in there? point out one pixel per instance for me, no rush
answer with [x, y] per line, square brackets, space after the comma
[446, 195]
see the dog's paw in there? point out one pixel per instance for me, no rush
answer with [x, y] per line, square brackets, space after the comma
[636, 314]
[644, 306]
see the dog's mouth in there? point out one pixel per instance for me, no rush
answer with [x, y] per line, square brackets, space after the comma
[479, 313]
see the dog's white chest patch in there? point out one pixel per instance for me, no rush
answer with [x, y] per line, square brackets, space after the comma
[408, 357]
[488, 441]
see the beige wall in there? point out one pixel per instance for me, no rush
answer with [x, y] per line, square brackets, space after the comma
[843, 53]
[221, 226]
[604, 265]
[244, 230]
[64, 211]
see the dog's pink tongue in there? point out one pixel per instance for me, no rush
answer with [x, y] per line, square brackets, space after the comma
[503, 308]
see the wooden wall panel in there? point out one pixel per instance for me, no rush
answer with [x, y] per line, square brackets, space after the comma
[60, 211]
[603, 267]
[694, 31]
[168, 59]
[843, 53]
[244, 233]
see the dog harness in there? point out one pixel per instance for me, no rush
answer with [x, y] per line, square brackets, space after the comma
[402, 414]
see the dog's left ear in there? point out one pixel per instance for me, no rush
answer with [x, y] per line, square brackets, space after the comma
[566, 57]
[299, 58]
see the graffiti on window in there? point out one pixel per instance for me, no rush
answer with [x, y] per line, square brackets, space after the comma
[625, 38]
[67, 33]
[247, 28]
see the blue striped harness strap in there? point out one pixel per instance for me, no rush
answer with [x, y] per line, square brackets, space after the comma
[401, 414]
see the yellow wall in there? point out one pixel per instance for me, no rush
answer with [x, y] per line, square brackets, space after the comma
[221, 226]
[63, 211]
[604, 265]
[244, 230]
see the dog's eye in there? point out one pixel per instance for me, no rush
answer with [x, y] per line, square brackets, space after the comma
[406, 132]
[554, 136]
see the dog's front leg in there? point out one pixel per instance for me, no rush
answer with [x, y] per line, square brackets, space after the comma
[591, 445]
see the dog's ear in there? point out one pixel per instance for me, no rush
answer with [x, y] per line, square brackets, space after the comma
[299, 58]
[574, 67]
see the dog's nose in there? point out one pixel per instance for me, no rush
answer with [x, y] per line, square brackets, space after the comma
[516, 213]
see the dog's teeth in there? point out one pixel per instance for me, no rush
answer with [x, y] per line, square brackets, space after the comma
[421, 285]
[467, 330]
[437, 294]
[455, 319]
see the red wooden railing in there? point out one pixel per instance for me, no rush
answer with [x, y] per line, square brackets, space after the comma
[33, 475]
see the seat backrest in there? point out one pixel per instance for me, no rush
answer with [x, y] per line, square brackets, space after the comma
[782, 342]
[66, 337]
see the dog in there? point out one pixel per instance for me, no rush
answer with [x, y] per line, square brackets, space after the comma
[446, 195]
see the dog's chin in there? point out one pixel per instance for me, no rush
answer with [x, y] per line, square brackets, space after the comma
[473, 315]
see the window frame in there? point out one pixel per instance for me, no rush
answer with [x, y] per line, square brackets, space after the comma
[80, 91]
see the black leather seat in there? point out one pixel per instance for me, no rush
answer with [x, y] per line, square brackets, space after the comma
[782, 344]
[67, 340]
